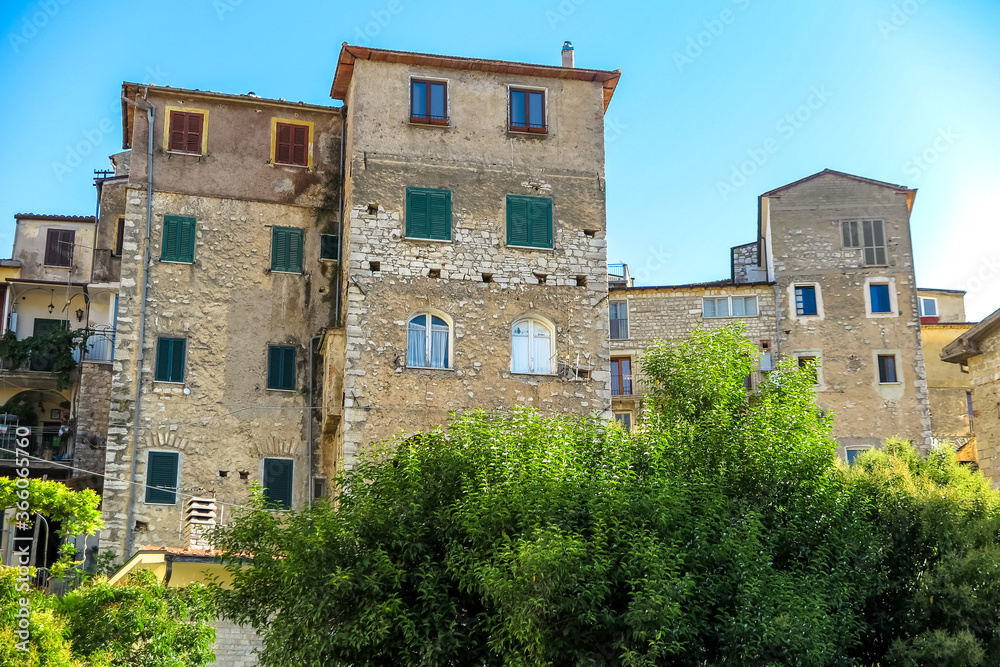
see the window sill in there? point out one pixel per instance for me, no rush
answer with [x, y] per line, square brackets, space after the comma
[185, 153]
[890, 384]
[176, 261]
[419, 122]
[428, 368]
[287, 391]
[540, 375]
[729, 317]
[541, 132]
[56, 266]
[173, 504]
[176, 383]
[420, 238]
[531, 247]
[883, 315]
[288, 273]
[288, 164]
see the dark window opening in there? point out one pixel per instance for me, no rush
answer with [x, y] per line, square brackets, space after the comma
[329, 246]
[375, 266]
[120, 237]
[887, 369]
[59, 247]
[277, 483]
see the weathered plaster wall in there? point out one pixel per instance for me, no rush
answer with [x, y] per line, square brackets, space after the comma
[480, 163]
[985, 371]
[805, 237]
[947, 385]
[107, 265]
[29, 248]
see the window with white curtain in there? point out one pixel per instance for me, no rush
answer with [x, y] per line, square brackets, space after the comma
[428, 338]
[532, 347]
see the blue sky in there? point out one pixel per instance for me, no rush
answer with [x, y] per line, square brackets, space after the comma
[719, 101]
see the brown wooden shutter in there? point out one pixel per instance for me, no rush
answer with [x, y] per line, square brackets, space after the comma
[178, 120]
[59, 247]
[283, 152]
[300, 140]
[193, 138]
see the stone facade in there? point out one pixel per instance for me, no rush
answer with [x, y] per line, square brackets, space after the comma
[227, 305]
[801, 247]
[235, 645]
[93, 405]
[475, 281]
[978, 352]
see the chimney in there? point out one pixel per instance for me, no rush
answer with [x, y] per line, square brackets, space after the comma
[567, 55]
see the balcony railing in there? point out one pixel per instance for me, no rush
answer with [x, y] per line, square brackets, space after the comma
[619, 329]
[100, 345]
[628, 385]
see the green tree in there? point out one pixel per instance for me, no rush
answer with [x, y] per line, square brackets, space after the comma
[137, 623]
[76, 511]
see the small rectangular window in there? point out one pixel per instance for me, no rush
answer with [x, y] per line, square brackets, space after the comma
[281, 367]
[529, 221]
[186, 130]
[715, 306]
[119, 237]
[170, 353]
[291, 144]
[178, 239]
[161, 478]
[928, 307]
[619, 320]
[286, 249]
[625, 419]
[621, 376]
[277, 483]
[887, 369]
[59, 247]
[811, 363]
[880, 298]
[329, 246]
[428, 102]
[428, 214]
[854, 453]
[805, 300]
[744, 306]
[527, 111]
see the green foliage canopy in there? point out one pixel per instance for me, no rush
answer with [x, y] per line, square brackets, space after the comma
[720, 532]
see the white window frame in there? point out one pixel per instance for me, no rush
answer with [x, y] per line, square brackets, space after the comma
[937, 313]
[893, 301]
[534, 321]
[792, 309]
[820, 384]
[729, 305]
[854, 448]
[428, 313]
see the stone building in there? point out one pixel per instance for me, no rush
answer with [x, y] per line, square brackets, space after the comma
[475, 249]
[830, 278]
[52, 283]
[299, 281]
[977, 352]
[949, 389]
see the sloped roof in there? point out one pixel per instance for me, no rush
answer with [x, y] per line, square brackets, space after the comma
[349, 54]
[966, 346]
[832, 172]
[54, 218]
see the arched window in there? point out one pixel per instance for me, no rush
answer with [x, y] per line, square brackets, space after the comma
[428, 342]
[532, 348]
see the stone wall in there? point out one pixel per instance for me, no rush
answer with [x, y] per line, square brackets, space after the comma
[235, 645]
[745, 260]
[985, 371]
[803, 225]
[93, 405]
[475, 280]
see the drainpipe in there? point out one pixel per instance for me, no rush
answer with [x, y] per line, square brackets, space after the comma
[151, 117]
[309, 421]
[340, 217]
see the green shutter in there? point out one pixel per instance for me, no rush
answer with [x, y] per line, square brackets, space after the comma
[170, 353]
[529, 221]
[517, 220]
[161, 471]
[428, 214]
[416, 213]
[281, 367]
[278, 483]
[286, 249]
[439, 214]
[178, 239]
